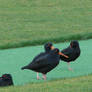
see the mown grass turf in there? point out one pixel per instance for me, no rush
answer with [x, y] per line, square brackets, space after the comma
[80, 84]
[33, 22]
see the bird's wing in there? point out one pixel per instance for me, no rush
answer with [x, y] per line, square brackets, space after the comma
[38, 56]
[39, 62]
[67, 51]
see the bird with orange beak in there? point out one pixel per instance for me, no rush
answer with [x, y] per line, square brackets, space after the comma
[73, 51]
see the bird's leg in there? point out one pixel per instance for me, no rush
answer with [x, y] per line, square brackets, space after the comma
[44, 76]
[38, 76]
[69, 68]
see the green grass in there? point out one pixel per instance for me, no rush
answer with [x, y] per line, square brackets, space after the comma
[33, 22]
[79, 84]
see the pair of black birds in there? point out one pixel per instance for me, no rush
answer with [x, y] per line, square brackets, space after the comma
[48, 60]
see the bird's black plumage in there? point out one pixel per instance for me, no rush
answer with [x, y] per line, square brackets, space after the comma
[6, 80]
[45, 63]
[73, 52]
[47, 47]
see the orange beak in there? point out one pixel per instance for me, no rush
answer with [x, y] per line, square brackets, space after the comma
[52, 47]
[63, 55]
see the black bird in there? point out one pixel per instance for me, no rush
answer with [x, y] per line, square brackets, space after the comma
[47, 47]
[73, 52]
[6, 80]
[45, 63]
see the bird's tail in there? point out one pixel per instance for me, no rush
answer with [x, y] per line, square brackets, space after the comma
[25, 67]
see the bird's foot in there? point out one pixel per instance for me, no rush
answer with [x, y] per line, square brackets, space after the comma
[70, 69]
[38, 78]
[44, 77]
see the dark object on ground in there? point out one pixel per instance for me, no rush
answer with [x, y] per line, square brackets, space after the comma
[6, 80]
[73, 52]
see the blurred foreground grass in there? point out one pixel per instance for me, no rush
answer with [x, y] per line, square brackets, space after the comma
[79, 84]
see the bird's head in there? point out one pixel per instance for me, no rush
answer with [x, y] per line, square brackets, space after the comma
[56, 51]
[74, 44]
[48, 46]
[6, 77]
